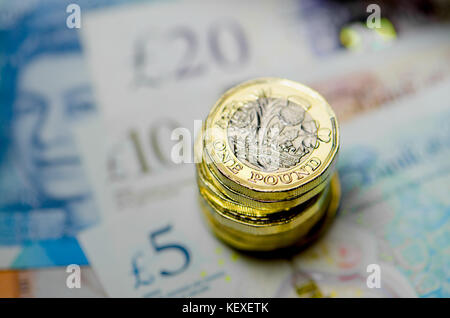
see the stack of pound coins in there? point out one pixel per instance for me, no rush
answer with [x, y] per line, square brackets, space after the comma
[265, 163]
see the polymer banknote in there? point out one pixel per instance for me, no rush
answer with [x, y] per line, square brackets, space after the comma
[46, 91]
[134, 150]
[45, 85]
[47, 193]
[394, 169]
[394, 217]
[165, 250]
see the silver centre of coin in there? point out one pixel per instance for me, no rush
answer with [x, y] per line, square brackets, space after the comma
[272, 133]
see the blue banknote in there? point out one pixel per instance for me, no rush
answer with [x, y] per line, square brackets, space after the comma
[45, 199]
[394, 170]
[396, 181]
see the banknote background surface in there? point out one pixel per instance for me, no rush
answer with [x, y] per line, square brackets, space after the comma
[394, 213]
[85, 135]
[46, 90]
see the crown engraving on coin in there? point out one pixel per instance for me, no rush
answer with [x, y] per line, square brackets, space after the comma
[272, 133]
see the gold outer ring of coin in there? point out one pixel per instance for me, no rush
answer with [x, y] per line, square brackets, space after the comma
[262, 243]
[281, 184]
[302, 215]
[229, 200]
[322, 226]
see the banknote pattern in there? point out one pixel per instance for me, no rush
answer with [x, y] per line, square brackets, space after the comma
[45, 88]
[395, 200]
[394, 215]
[128, 188]
[169, 253]
[116, 182]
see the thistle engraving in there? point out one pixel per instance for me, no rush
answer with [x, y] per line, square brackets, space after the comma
[272, 133]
